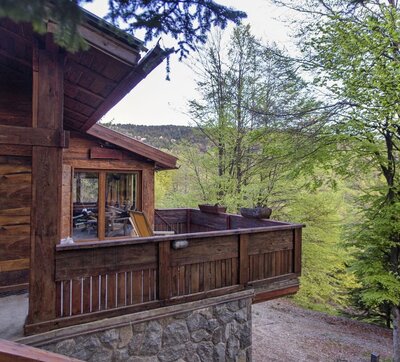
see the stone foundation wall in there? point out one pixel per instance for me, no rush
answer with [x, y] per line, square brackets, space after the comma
[220, 332]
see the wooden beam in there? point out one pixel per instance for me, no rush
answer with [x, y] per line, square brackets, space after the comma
[11, 135]
[273, 294]
[164, 252]
[10, 265]
[163, 159]
[110, 45]
[244, 259]
[101, 215]
[106, 44]
[15, 352]
[47, 108]
[297, 251]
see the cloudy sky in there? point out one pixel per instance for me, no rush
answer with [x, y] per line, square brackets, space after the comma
[156, 101]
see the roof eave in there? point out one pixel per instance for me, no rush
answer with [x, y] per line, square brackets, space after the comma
[162, 160]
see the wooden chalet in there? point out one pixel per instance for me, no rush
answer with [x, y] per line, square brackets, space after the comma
[64, 176]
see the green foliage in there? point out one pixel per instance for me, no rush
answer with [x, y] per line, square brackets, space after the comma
[325, 280]
[65, 13]
[373, 241]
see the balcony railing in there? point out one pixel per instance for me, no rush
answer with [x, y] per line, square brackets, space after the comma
[209, 255]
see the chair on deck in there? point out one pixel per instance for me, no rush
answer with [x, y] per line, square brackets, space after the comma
[142, 226]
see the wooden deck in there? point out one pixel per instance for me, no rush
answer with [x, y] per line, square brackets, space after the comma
[224, 254]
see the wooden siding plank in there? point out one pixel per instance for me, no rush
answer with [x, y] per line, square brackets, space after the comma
[137, 287]
[11, 265]
[243, 259]
[206, 249]
[88, 262]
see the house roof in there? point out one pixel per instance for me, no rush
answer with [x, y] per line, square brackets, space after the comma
[163, 160]
[94, 80]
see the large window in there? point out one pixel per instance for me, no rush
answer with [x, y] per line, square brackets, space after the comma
[101, 204]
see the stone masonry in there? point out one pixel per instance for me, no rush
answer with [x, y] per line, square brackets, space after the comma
[220, 332]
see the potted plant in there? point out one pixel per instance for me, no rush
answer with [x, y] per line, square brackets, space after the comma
[212, 209]
[259, 211]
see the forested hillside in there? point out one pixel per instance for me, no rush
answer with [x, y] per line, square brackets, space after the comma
[165, 137]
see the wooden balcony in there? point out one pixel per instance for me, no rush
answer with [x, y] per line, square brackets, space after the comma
[209, 255]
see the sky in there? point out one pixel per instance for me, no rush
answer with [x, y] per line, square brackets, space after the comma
[156, 101]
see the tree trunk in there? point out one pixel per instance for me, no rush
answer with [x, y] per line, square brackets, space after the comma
[396, 333]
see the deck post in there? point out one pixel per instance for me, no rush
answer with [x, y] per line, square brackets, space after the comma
[297, 251]
[164, 251]
[243, 259]
[47, 113]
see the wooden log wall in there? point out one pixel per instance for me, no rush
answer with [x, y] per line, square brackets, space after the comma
[15, 209]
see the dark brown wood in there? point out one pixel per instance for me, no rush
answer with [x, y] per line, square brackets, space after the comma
[15, 352]
[268, 283]
[121, 289]
[162, 159]
[111, 290]
[243, 259]
[297, 251]
[12, 135]
[273, 294]
[164, 252]
[101, 217]
[147, 191]
[194, 278]
[66, 202]
[174, 281]
[109, 44]
[268, 241]
[95, 294]
[15, 150]
[76, 296]
[202, 250]
[146, 285]
[86, 296]
[137, 287]
[181, 280]
[105, 153]
[86, 263]
[66, 288]
[208, 221]
[46, 185]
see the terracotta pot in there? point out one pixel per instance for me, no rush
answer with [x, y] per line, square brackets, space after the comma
[212, 209]
[256, 212]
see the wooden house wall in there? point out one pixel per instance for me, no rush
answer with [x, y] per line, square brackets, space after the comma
[77, 156]
[15, 180]
[15, 210]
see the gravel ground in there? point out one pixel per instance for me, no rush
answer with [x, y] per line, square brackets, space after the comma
[285, 332]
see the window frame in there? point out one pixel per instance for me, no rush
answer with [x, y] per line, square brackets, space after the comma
[101, 212]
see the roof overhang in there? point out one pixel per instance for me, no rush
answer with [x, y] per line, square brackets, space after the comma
[162, 160]
[95, 79]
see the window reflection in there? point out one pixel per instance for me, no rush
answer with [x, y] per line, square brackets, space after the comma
[85, 205]
[120, 199]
